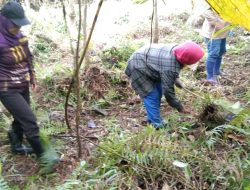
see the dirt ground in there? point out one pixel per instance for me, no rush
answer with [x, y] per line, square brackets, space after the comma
[129, 113]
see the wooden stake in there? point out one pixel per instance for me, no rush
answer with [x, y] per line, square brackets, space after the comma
[189, 91]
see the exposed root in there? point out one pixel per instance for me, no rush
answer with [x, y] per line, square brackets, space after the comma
[96, 82]
[211, 115]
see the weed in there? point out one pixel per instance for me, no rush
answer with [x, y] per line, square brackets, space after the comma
[238, 48]
[117, 56]
[3, 183]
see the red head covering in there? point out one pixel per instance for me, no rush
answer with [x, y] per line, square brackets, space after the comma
[188, 53]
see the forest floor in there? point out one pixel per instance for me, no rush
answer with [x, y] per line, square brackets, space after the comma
[128, 112]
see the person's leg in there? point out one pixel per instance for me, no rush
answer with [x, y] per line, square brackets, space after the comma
[16, 103]
[209, 61]
[222, 46]
[217, 66]
[152, 104]
[17, 129]
[213, 47]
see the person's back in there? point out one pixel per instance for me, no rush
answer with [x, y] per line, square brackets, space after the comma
[154, 70]
[148, 64]
[15, 58]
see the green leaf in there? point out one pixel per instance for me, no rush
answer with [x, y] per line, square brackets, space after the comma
[236, 105]
[188, 172]
[246, 184]
[229, 106]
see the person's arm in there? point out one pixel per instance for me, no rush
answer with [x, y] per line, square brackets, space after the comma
[178, 83]
[31, 70]
[168, 82]
[214, 19]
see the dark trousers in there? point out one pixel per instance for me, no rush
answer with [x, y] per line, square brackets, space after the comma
[17, 102]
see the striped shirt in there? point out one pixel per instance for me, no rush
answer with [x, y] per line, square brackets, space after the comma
[153, 64]
[16, 67]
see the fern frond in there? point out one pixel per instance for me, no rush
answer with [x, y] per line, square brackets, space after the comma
[218, 130]
[237, 129]
[211, 141]
[214, 135]
[49, 157]
[3, 184]
[242, 117]
[53, 128]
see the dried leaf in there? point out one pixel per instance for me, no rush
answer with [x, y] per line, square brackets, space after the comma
[166, 187]
[236, 137]
[191, 138]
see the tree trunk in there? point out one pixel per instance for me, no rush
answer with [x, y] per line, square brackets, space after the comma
[156, 26]
[72, 22]
[77, 78]
[85, 14]
[27, 4]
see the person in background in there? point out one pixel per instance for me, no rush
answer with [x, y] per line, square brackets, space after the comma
[216, 44]
[154, 70]
[16, 76]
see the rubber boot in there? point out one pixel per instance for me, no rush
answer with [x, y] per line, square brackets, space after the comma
[36, 145]
[16, 144]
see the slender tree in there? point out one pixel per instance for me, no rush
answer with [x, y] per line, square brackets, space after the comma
[75, 78]
[27, 4]
[155, 20]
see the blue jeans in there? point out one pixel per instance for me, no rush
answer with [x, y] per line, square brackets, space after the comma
[152, 103]
[216, 48]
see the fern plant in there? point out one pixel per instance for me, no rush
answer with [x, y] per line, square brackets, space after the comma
[214, 135]
[3, 183]
[49, 157]
[242, 118]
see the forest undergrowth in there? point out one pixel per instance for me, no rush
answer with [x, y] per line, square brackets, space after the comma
[207, 149]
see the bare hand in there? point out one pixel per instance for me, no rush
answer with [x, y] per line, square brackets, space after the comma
[178, 83]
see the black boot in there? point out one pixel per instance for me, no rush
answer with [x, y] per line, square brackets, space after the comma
[16, 144]
[36, 145]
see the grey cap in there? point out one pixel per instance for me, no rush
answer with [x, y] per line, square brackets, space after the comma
[15, 12]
